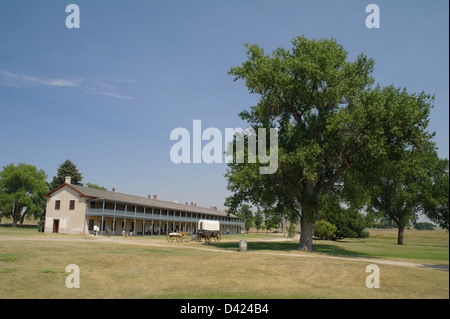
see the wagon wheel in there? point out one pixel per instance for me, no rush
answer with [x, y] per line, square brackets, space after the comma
[208, 238]
[179, 239]
[217, 237]
[169, 238]
[198, 238]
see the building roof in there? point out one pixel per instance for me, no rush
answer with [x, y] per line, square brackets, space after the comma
[99, 194]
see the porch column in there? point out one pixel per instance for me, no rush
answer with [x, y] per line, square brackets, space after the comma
[103, 215]
[143, 223]
[114, 220]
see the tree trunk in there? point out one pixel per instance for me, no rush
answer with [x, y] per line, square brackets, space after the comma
[14, 220]
[15, 212]
[309, 207]
[401, 231]
[14, 217]
[306, 235]
[22, 218]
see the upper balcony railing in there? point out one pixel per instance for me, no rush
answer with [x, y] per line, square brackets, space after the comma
[170, 216]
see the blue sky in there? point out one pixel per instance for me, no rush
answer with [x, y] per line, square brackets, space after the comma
[107, 95]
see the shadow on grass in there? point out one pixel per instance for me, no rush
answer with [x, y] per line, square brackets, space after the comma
[319, 246]
[334, 250]
[26, 226]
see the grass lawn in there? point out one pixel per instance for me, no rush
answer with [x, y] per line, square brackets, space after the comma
[32, 265]
[421, 246]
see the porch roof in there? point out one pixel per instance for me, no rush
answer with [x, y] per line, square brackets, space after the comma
[98, 194]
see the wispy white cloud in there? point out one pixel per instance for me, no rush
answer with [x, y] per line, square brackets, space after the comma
[106, 90]
[19, 80]
[12, 79]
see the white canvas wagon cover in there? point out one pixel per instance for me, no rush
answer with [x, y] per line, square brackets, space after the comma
[212, 225]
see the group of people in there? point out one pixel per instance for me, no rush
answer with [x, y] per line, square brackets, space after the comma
[124, 233]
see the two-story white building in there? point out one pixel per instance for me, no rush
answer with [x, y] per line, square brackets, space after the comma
[75, 209]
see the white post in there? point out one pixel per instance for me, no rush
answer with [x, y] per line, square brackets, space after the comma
[103, 213]
[102, 224]
[114, 226]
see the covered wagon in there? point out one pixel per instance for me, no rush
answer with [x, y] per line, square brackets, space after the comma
[208, 229]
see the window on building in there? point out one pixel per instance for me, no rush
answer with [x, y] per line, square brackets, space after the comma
[72, 205]
[57, 204]
[92, 204]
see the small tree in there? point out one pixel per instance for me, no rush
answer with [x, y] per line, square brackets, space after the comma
[22, 190]
[324, 230]
[247, 215]
[258, 220]
[437, 190]
[291, 230]
[410, 186]
[271, 220]
[349, 222]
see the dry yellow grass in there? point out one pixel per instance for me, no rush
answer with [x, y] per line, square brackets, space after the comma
[33, 266]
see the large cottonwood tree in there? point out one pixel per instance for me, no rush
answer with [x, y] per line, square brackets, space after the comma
[22, 190]
[330, 120]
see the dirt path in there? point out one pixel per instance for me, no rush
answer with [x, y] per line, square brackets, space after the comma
[298, 254]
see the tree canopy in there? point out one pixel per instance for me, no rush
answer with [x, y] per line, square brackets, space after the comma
[68, 168]
[330, 118]
[416, 183]
[22, 190]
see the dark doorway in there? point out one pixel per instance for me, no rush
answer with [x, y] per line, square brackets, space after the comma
[55, 226]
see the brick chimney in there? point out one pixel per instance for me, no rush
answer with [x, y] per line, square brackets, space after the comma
[155, 196]
[192, 203]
